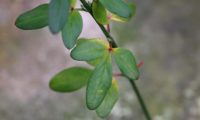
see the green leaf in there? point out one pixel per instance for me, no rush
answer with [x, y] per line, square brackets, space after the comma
[33, 19]
[99, 84]
[118, 7]
[72, 29]
[89, 49]
[126, 63]
[58, 13]
[73, 3]
[109, 101]
[121, 19]
[95, 62]
[99, 12]
[70, 79]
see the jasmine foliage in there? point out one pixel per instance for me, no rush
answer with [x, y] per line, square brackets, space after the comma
[126, 62]
[99, 12]
[99, 83]
[109, 101]
[69, 80]
[33, 19]
[89, 49]
[58, 14]
[117, 18]
[61, 16]
[118, 7]
[72, 29]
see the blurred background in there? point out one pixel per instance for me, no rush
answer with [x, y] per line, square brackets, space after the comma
[165, 34]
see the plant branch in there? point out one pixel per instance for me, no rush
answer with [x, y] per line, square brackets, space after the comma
[108, 36]
[80, 9]
[140, 99]
[114, 45]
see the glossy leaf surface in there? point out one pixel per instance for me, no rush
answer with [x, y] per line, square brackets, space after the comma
[70, 79]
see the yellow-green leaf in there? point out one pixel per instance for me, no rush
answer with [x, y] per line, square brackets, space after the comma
[118, 7]
[58, 13]
[126, 63]
[99, 84]
[72, 29]
[73, 3]
[33, 19]
[117, 18]
[95, 62]
[89, 49]
[109, 101]
[70, 79]
[99, 12]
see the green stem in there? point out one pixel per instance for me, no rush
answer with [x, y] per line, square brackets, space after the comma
[114, 45]
[80, 9]
[108, 36]
[140, 99]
